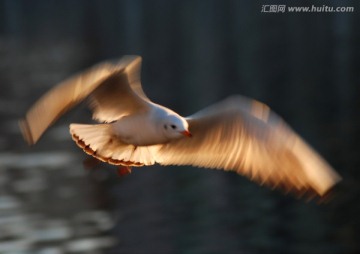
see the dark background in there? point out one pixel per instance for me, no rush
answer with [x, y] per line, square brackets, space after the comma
[304, 65]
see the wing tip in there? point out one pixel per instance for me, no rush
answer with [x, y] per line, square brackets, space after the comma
[329, 195]
[26, 131]
[329, 192]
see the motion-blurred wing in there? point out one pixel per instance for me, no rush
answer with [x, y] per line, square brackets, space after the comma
[244, 135]
[121, 93]
[114, 90]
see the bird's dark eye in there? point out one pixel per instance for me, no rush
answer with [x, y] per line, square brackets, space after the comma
[173, 126]
[165, 126]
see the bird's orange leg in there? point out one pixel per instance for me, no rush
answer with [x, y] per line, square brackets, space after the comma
[123, 170]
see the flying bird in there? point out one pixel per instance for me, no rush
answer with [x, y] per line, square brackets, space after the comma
[236, 134]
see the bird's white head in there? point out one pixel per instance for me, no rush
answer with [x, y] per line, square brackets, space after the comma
[175, 126]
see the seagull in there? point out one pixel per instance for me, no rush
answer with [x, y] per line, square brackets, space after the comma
[237, 134]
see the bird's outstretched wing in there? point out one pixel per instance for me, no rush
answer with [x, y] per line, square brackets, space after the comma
[246, 136]
[113, 88]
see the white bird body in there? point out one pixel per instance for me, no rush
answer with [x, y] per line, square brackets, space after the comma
[144, 128]
[236, 134]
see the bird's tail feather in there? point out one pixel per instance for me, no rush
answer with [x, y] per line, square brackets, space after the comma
[99, 141]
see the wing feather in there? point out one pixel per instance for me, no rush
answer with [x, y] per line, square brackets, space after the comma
[114, 90]
[246, 136]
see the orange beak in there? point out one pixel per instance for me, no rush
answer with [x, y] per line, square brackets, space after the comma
[186, 133]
